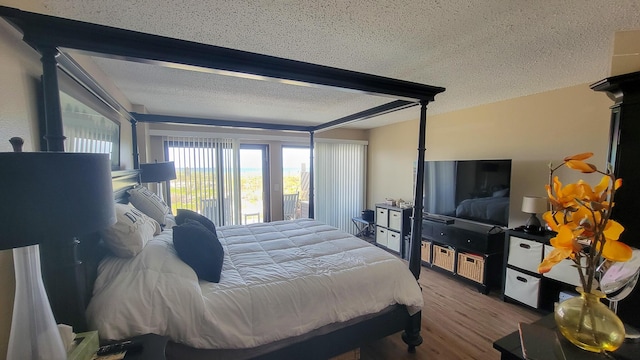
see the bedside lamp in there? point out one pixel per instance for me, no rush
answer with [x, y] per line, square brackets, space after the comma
[534, 205]
[158, 172]
[48, 198]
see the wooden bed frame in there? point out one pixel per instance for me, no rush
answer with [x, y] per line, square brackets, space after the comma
[50, 35]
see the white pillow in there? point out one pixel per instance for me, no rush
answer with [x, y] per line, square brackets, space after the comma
[149, 203]
[169, 221]
[131, 232]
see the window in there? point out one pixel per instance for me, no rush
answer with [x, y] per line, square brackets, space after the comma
[207, 177]
[254, 180]
[340, 182]
[295, 182]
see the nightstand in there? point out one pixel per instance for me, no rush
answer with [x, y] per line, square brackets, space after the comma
[153, 347]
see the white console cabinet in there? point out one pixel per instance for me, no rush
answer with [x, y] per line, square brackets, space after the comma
[392, 225]
[522, 282]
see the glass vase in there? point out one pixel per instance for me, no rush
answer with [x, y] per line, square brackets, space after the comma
[588, 323]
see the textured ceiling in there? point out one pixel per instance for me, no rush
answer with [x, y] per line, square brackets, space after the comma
[481, 51]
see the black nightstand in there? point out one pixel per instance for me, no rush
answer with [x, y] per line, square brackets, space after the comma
[153, 347]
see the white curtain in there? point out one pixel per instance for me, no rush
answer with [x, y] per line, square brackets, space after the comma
[207, 177]
[339, 177]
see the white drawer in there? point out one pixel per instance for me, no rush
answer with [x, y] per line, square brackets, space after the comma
[525, 254]
[563, 271]
[395, 220]
[381, 236]
[522, 287]
[382, 217]
[393, 240]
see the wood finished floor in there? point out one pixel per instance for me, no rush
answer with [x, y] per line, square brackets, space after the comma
[458, 322]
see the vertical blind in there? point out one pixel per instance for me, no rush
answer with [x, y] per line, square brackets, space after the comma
[340, 183]
[207, 176]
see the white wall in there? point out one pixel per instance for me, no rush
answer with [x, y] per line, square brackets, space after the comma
[532, 130]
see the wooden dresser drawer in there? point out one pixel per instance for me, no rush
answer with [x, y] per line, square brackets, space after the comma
[382, 217]
[473, 241]
[395, 220]
[525, 254]
[522, 287]
[381, 236]
[393, 240]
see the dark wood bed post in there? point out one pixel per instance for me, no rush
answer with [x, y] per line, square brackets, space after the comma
[312, 214]
[52, 112]
[134, 143]
[58, 257]
[411, 335]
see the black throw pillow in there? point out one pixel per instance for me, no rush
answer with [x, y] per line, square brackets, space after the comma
[199, 248]
[184, 214]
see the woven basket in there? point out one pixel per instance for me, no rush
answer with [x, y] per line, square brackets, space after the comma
[471, 266]
[443, 257]
[425, 251]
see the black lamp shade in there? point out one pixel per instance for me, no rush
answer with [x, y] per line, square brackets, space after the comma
[157, 172]
[52, 196]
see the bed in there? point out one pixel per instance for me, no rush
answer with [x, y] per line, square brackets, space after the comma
[322, 339]
[279, 281]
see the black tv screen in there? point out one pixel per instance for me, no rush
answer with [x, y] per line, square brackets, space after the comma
[476, 190]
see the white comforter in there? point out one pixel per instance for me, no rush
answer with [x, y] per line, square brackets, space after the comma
[278, 280]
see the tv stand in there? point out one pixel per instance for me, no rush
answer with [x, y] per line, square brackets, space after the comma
[438, 218]
[469, 251]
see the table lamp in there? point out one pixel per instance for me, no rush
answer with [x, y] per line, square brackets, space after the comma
[48, 198]
[534, 205]
[158, 172]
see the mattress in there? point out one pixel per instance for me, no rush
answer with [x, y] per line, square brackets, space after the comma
[279, 280]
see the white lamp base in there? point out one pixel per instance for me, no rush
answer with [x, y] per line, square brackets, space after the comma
[34, 333]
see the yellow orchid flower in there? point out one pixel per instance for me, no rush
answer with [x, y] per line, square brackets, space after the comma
[553, 219]
[582, 166]
[554, 257]
[580, 218]
[616, 251]
[566, 239]
[581, 156]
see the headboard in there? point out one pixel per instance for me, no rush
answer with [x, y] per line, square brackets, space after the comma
[90, 252]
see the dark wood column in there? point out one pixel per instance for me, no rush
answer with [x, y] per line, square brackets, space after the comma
[411, 335]
[53, 115]
[415, 263]
[134, 143]
[312, 214]
[624, 155]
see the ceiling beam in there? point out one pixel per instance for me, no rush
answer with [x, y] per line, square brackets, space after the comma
[163, 119]
[43, 30]
[362, 115]
[366, 114]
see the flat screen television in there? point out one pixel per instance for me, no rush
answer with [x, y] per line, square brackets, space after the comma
[476, 190]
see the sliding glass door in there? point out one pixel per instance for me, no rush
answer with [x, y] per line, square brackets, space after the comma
[254, 180]
[295, 182]
[207, 177]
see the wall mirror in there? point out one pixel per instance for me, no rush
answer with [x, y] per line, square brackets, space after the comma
[89, 125]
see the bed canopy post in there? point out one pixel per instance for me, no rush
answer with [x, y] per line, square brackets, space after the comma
[416, 232]
[411, 335]
[312, 214]
[134, 143]
[51, 93]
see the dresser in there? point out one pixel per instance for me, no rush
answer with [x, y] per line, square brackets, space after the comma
[393, 225]
[469, 251]
[522, 282]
